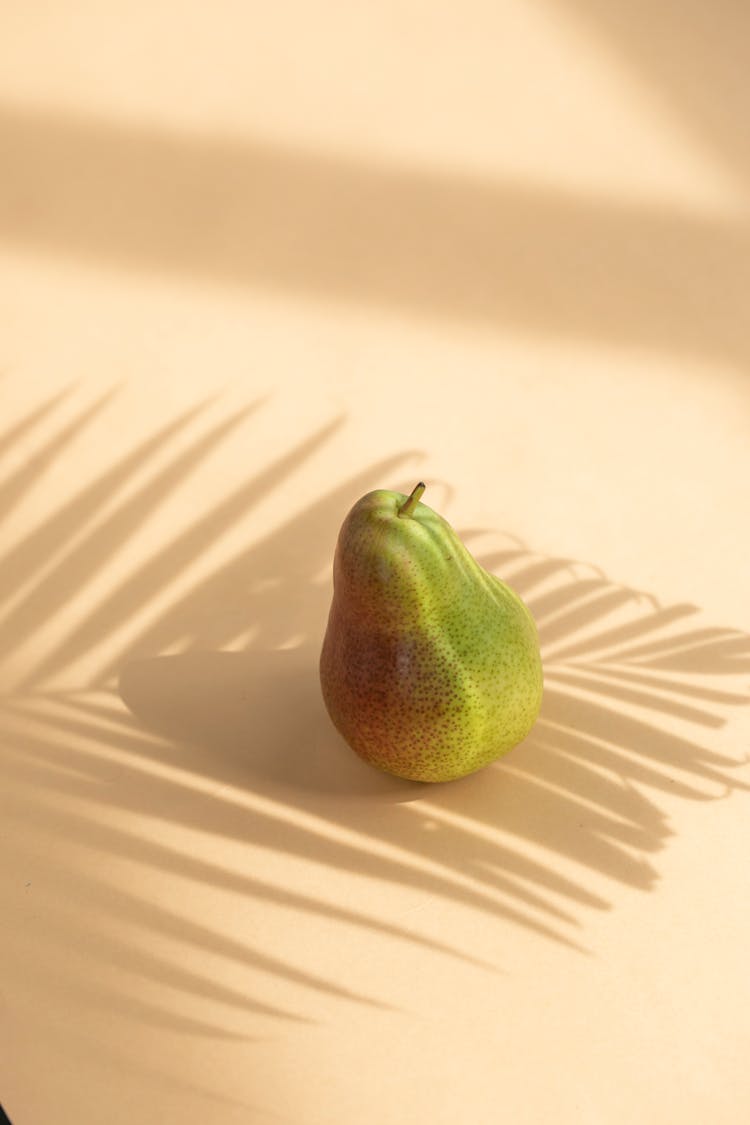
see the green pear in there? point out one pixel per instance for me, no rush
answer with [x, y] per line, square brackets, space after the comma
[430, 667]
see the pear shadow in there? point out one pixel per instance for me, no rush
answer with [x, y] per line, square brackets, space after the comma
[262, 714]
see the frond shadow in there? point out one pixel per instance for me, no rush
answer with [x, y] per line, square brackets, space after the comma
[27, 424]
[55, 763]
[583, 787]
[227, 739]
[14, 487]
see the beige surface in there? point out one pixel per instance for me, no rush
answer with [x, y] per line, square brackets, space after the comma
[255, 261]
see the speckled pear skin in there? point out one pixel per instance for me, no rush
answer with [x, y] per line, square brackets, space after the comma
[430, 667]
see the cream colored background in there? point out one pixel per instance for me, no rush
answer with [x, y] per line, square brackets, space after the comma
[255, 261]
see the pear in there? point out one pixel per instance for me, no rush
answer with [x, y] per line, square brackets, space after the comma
[430, 667]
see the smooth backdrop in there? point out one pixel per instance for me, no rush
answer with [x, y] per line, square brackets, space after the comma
[256, 260]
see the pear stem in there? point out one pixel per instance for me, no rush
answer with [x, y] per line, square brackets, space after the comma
[410, 504]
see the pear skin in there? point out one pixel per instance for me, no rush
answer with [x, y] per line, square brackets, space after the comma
[430, 667]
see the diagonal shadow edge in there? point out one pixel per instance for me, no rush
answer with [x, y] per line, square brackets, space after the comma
[508, 255]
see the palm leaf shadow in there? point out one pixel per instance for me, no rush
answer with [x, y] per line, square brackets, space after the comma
[602, 779]
[87, 556]
[17, 484]
[236, 744]
[56, 560]
[571, 772]
[611, 737]
[25, 561]
[25, 425]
